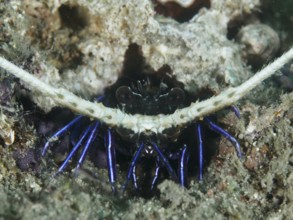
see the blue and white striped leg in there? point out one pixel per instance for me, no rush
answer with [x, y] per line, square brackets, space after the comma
[221, 131]
[157, 173]
[183, 166]
[75, 148]
[165, 161]
[90, 140]
[132, 165]
[59, 133]
[111, 159]
[200, 150]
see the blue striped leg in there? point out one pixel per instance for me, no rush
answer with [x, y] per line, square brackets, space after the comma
[200, 150]
[88, 143]
[221, 131]
[111, 159]
[183, 166]
[156, 176]
[75, 148]
[236, 111]
[134, 178]
[59, 133]
[165, 161]
[133, 163]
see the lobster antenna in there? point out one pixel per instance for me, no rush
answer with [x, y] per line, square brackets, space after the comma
[143, 123]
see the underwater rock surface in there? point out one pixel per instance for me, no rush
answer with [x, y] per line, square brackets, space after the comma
[80, 46]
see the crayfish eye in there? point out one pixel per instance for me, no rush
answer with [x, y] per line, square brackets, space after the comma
[125, 95]
[176, 96]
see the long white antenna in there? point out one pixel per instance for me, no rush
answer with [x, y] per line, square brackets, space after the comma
[142, 123]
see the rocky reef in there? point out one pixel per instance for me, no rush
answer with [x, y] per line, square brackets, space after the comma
[206, 45]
